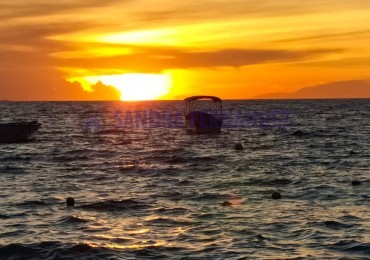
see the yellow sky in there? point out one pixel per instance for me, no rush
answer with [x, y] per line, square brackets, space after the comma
[233, 49]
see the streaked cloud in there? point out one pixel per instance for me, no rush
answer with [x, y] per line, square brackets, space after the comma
[37, 8]
[320, 37]
[154, 59]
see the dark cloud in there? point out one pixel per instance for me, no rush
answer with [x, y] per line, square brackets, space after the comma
[28, 45]
[22, 9]
[342, 35]
[362, 62]
[185, 10]
[154, 59]
[36, 37]
[210, 9]
[215, 9]
[29, 31]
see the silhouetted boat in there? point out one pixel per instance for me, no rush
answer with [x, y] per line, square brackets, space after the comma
[18, 132]
[201, 122]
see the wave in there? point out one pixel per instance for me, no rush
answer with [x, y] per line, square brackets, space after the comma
[337, 225]
[268, 182]
[114, 205]
[73, 220]
[53, 250]
[352, 246]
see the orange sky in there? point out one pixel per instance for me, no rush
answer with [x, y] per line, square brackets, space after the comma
[166, 49]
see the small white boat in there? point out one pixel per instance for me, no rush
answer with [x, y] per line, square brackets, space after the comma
[18, 132]
[201, 122]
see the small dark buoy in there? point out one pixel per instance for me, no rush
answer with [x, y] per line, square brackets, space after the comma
[356, 183]
[239, 147]
[259, 236]
[352, 153]
[70, 202]
[299, 133]
[226, 204]
[275, 195]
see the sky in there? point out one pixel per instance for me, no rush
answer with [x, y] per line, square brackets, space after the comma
[162, 49]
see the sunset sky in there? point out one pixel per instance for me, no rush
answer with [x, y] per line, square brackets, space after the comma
[162, 49]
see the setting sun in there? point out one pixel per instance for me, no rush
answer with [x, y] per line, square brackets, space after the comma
[133, 86]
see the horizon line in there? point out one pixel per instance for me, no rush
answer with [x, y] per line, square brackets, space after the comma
[169, 100]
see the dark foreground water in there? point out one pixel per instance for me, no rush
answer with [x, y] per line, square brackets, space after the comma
[157, 193]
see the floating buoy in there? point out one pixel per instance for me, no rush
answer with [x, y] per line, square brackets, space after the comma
[356, 183]
[239, 147]
[275, 195]
[299, 133]
[226, 204]
[260, 237]
[70, 202]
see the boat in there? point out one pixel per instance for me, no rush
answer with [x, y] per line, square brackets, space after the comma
[197, 120]
[18, 132]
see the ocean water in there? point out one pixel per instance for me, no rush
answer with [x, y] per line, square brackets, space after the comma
[156, 192]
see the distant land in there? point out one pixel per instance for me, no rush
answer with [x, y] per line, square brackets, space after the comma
[338, 89]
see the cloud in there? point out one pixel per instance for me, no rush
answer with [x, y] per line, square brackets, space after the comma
[342, 35]
[27, 70]
[157, 59]
[38, 50]
[216, 9]
[23, 8]
[35, 37]
[357, 63]
[27, 45]
[166, 10]
[48, 84]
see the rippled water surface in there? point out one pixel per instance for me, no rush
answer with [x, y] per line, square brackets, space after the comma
[158, 193]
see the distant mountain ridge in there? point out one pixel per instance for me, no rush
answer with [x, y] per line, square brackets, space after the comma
[338, 89]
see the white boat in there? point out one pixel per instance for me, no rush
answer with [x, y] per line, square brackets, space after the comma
[201, 122]
[18, 132]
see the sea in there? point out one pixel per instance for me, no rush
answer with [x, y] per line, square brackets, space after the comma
[146, 189]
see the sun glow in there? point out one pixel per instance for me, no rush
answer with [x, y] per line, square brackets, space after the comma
[133, 86]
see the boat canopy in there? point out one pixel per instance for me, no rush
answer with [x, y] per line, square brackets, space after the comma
[192, 106]
[214, 99]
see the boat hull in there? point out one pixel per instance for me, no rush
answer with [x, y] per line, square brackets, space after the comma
[18, 132]
[198, 122]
